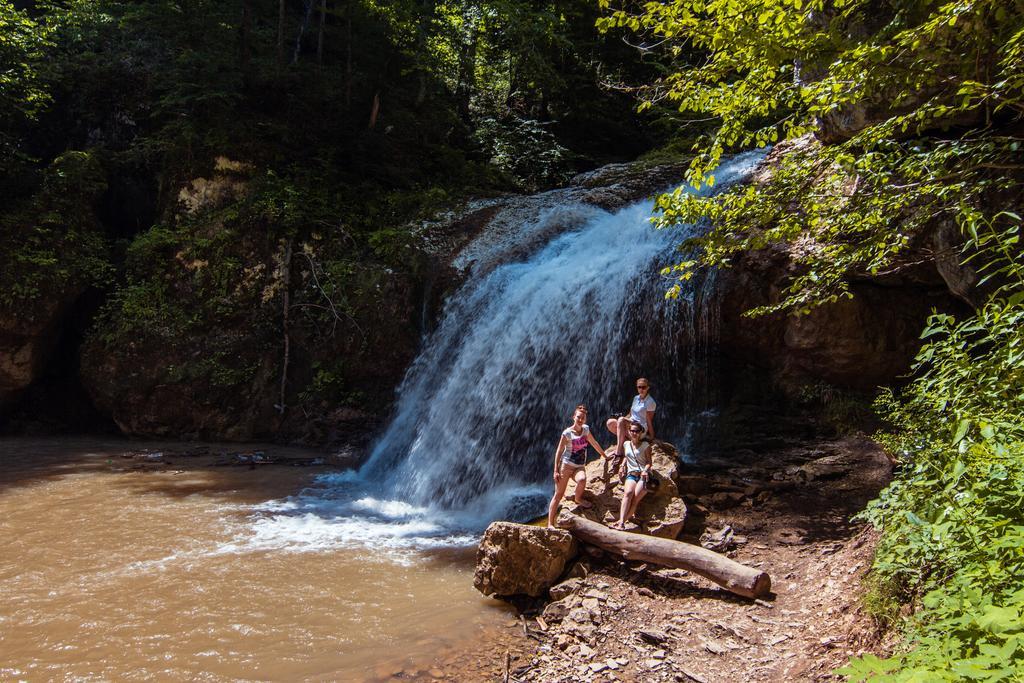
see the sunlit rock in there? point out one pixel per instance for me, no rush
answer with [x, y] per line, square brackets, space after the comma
[661, 513]
[518, 559]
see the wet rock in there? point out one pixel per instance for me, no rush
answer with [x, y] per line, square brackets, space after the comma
[516, 559]
[616, 185]
[696, 485]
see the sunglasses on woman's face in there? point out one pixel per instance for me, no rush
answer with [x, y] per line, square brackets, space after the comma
[635, 431]
[642, 386]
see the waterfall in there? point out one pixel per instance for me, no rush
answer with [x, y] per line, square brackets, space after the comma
[563, 305]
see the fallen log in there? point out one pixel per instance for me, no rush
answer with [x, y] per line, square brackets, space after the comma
[729, 574]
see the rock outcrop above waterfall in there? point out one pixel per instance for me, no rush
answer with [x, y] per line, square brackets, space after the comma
[857, 343]
[615, 185]
[518, 559]
[491, 231]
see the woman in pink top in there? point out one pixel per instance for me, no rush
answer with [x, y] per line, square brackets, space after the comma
[570, 459]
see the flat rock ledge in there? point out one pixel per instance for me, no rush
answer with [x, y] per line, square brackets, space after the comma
[661, 513]
[519, 559]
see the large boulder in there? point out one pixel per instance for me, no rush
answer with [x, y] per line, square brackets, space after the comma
[661, 513]
[518, 559]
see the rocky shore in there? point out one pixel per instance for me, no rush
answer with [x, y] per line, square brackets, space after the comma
[786, 510]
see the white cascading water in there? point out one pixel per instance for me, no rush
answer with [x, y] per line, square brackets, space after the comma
[531, 334]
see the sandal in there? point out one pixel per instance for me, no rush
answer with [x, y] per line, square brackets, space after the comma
[583, 504]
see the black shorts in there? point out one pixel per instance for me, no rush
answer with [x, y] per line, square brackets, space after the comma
[576, 459]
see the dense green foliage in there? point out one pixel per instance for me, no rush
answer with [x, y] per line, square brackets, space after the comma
[920, 108]
[51, 242]
[344, 122]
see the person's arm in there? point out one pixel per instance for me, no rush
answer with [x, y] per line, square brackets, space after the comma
[648, 460]
[650, 424]
[558, 451]
[593, 442]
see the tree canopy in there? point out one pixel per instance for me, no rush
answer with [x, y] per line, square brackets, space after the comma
[916, 110]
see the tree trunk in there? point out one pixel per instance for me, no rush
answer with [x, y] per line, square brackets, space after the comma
[286, 277]
[427, 8]
[245, 44]
[320, 35]
[302, 31]
[348, 55]
[731, 575]
[374, 110]
[466, 85]
[280, 36]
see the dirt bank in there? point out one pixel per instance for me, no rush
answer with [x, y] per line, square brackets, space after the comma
[789, 513]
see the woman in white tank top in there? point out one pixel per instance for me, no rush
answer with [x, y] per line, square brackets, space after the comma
[638, 470]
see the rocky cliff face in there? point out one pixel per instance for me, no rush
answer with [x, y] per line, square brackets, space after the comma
[194, 344]
[858, 344]
[26, 342]
[231, 327]
[854, 344]
[51, 252]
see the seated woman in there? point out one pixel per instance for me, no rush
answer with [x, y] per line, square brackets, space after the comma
[572, 447]
[638, 469]
[642, 411]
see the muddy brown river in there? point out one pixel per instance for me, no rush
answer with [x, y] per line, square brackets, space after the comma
[120, 569]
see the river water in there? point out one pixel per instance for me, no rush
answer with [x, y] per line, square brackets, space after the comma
[163, 573]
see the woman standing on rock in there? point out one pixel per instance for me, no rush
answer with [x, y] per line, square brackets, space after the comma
[641, 410]
[570, 459]
[638, 470]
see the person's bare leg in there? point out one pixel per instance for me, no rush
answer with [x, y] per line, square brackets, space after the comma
[563, 481]
[623, 436]
[613, 426]
[627, 499]
[581, 486]
[638, 494]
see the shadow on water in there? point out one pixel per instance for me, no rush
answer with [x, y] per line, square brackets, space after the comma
[27, 461]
